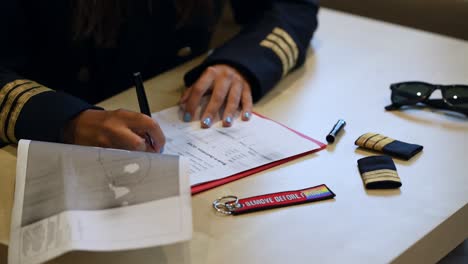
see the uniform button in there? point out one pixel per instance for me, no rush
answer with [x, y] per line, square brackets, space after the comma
[83, 74]
[184, 52]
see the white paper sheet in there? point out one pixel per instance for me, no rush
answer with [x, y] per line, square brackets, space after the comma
[84, 198]
[219, 152]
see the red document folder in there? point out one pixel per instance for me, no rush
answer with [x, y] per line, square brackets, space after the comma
[212, 184]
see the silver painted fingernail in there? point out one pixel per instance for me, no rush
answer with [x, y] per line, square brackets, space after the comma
[207, 121]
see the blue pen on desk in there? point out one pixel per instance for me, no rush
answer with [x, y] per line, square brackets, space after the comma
[143, 103]
[335, 130]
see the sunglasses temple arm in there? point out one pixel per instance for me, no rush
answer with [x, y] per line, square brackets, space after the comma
[436, 103]
[440, 104]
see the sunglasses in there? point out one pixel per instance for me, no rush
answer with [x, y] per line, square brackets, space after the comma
[454, 97]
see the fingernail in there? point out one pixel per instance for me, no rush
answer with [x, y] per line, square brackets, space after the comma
[187, 117]
[228, 120]
[161, 150]
[207, 121]
[247, 115]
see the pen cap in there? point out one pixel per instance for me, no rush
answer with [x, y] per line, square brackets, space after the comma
[335, 130]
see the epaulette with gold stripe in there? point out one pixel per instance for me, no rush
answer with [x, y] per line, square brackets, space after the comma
[13, 97]
[388, 145]
[379, 172]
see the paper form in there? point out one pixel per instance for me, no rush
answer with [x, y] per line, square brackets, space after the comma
[219, 152]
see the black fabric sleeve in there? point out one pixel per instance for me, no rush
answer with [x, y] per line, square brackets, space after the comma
[273, 41]
[46, 114]
[27, 109]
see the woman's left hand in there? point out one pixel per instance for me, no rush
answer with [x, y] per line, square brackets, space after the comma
[227, 86]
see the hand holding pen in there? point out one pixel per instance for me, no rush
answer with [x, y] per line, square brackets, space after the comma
[158, 144]
[119, 129]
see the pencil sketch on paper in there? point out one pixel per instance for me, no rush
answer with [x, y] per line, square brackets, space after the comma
[88, 198]
[98, 180]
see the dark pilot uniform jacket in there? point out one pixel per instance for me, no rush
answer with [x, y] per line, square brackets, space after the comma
[47, 78]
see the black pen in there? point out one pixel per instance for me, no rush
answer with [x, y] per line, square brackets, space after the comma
[143, 103]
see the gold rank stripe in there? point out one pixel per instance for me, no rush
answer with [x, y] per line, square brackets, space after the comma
[8, 87]
[373, 141]
[362, 139]
[289, 40]
[22, 100]
[284, 47]
[380, 175]
[13, 97]
[281, 43]
[278, 52]
[7, 101]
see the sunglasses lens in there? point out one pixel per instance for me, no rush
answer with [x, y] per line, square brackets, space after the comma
[457, 96]
[410, 93]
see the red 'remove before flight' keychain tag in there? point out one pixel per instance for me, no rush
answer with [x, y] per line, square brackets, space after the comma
[232, 205]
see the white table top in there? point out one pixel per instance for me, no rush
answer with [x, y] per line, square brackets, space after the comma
[346, 76]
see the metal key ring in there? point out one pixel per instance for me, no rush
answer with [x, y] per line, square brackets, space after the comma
[226, 207]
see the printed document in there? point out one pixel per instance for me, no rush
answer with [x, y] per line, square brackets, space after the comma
[87, 198]
[219, 152]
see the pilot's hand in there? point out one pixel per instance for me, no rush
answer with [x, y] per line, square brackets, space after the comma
[120, 129]
[227, 87]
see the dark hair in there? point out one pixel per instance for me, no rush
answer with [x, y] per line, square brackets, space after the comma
[102, 19]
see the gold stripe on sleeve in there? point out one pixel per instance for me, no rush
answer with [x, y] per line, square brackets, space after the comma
[288, 39]
[278, 52]
[8, 87]
[285, 47]
[22, 100]
[15, 89]
[7, 103]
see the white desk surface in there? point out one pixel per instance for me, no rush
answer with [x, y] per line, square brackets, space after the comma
[346, 76]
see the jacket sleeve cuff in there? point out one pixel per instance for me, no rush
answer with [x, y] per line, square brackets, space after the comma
[45, 115]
